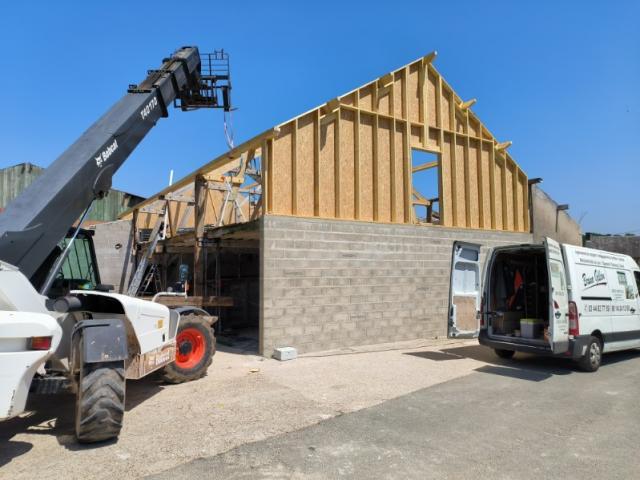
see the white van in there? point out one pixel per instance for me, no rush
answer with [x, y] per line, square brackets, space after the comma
[548, 299]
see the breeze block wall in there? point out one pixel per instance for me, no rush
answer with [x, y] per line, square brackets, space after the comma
[328, 284]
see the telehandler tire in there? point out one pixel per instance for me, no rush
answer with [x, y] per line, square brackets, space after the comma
[100, 401]
[195, 347]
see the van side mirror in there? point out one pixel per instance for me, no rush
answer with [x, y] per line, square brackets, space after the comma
[103, 287]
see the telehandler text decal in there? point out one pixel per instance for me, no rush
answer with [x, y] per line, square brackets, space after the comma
[153, 103]
[106, 153]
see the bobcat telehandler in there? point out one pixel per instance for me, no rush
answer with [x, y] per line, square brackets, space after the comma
[89, 341]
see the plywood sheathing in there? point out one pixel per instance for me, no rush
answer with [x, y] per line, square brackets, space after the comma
[364, 156]
[350, 158]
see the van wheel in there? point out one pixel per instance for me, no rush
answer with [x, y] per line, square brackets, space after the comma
[592, 359]
[504, 353]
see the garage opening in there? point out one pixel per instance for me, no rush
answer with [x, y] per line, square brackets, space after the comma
[231, 273]
[518, 296]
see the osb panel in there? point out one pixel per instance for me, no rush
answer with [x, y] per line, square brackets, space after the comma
[281, 163]
[413, 92]
[349, 99]
[397, 93]
[347, 164]
[465, 312]
[446, 110]
[497, 188]
[434, 139]
[474, 127]
[326, 170]
[460, 123]
[305, 161]
[384, 100]
[366, 167]
[472, 184]
[399, 159]
[384, 170]
[446, 171]
[485, 158]
[366, 97]
[432, 81]
[416, 136]
[460, 182]
[509, 196]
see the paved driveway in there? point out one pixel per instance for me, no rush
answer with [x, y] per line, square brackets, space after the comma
[526, 418]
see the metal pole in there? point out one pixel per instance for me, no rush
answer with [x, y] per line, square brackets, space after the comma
[56, 267]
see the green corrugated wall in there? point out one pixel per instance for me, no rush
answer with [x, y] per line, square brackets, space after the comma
[15, 179]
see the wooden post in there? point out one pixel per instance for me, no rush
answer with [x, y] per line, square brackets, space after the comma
[198, 249]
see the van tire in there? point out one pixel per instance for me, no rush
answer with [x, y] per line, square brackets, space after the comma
[504, 353]
[591, 360]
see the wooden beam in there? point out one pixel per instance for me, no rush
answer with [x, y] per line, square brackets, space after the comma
[464, 106]
[430, 57]
[503, 146]
[199, 280]
[425, 166]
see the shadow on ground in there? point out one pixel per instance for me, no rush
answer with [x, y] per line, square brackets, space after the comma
[522, 366]
[54, 415]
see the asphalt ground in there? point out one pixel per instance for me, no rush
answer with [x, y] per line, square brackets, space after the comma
[509, 419]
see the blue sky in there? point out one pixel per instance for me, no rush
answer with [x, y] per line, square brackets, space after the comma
[561, 79]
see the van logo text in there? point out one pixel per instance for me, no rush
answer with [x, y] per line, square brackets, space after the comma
[598, 278]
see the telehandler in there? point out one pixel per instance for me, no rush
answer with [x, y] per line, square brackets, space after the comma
[64, 334]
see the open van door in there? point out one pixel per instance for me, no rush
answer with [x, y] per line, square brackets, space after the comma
[558, 299]
[465, 291]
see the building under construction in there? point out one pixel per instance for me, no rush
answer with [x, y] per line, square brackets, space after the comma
[335, 228]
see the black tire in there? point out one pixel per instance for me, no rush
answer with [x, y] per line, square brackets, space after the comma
[592, 359]
[201, 326]
[504, 353]
[100, 401]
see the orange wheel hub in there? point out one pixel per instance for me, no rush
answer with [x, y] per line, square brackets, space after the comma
[191, 348]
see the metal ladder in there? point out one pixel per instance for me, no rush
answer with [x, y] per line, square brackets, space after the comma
[134, 286]
[152, 276]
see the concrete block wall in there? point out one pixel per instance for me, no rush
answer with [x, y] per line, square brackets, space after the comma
[112, 241]
[549, 222]
[330, 284]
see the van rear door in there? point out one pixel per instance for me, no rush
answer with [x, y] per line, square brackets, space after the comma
[464, 292]
[558, 298]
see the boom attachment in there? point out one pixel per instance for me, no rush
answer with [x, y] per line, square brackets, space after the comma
[39, 218]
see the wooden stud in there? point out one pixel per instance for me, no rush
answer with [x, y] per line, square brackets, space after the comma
[356, 166]
[294, 164]
[316, 164]
[406, 171]
[336, 173]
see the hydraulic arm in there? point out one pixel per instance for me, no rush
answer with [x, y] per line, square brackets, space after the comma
[39, 218]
